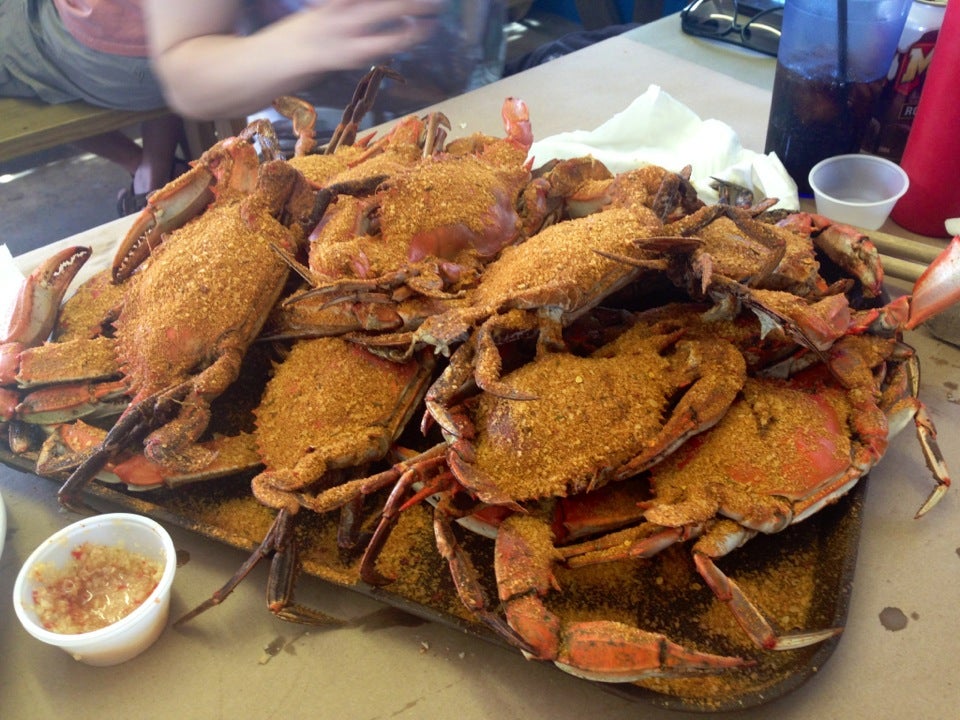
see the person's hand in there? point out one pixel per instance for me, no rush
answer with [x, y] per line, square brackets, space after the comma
[354, 33]
[208, 71]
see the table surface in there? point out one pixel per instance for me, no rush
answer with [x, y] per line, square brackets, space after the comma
[239, 661]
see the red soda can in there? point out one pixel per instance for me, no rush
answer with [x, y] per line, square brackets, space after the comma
[931, 158]
[893, 119]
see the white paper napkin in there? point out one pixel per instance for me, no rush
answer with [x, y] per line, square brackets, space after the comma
[11, 279]
[657, 129]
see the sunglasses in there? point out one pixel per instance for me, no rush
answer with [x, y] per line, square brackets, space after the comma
[754, 24]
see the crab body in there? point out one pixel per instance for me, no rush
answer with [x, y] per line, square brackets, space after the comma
[186, 324]
[650, 392]
[312, 421]
[444, 213]
[783, 451]
[395, 233]
[561, 272]
[330, 409]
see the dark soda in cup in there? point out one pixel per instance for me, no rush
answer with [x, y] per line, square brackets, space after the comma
[832, 62]
[814, 116]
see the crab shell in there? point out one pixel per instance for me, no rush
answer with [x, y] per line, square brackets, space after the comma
[187, 322]
[331, 405]
[650, 392]
[199, 304]
[784, 450]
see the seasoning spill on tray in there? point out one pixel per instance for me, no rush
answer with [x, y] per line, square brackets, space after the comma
[497, 315]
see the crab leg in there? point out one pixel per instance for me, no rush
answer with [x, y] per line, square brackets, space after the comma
[33, 317]
[428, 132]
[878, 420]
[134, 424]
[606, 651]
[61, 403]
[845, 245]
[405, 474]
[360, 104]
[750, 617]
[280, 543]
[303, 115]
[647, 540]
[68, 443]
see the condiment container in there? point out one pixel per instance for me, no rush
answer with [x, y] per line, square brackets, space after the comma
[857, 189]
[128, 636]
[832, 64]
[932, 155]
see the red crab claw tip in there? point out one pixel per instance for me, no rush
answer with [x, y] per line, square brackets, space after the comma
[35, 309]
[168, 208]
[516, 120]
[938, 287]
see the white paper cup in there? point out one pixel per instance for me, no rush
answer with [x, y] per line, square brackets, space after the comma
[857, 189]
[129, 636]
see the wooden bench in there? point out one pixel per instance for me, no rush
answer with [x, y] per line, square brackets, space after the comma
[28, 126]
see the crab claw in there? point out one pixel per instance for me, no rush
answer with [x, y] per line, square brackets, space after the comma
[609, 651]
[516, 121]
[303, 115]
[853, 251]
[167, 209]
[600, 650]
[230, 165]
[843, 244]
[35, 310]
[938, 287]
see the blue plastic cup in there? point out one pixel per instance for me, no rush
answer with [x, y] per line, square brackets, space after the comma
[831, 67]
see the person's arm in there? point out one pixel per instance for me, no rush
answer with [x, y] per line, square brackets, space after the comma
[209, 72]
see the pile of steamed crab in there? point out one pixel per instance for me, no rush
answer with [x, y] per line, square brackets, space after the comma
[454, 330]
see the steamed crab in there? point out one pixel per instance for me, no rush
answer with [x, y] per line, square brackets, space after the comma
[424, 231]
[544, 283]
[75, 375]
[830, 414]
[186, 324]
[330, 410]
[721, 488]
[651, 392]
[737, 260]
[855, 354]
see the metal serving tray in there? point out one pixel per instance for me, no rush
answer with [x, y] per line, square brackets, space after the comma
[802, 578]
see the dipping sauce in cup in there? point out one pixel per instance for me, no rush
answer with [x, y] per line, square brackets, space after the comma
[100, 585]
[118, 559]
